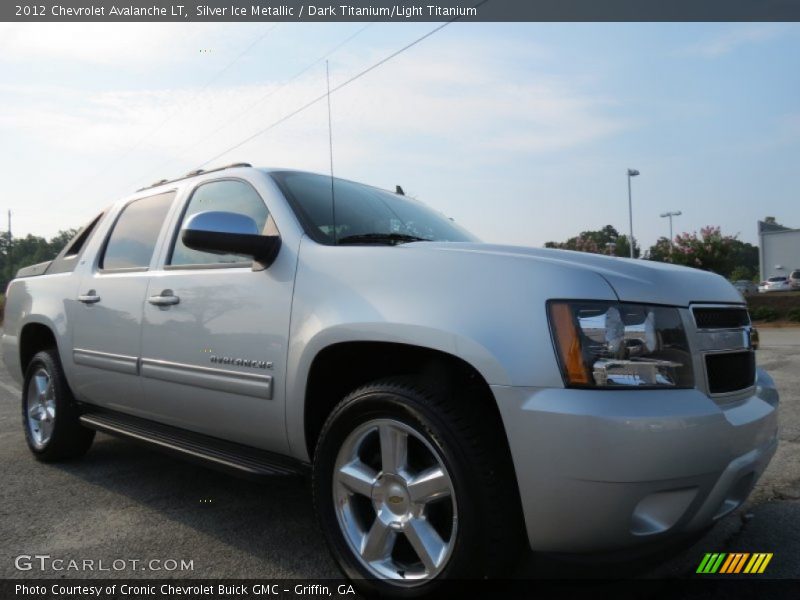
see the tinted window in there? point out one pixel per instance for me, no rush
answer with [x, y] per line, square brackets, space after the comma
[67, 259]
[361, 210]
[77, 243]
[228, 196]
[795, 275]
[134, 236]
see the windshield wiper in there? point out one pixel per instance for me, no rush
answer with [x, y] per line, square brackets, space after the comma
[391, 239]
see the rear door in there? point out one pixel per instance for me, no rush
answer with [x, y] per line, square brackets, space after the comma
[215, 332]
[107, 320]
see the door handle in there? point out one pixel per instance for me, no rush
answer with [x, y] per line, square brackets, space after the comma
[165, 298]
[90, 297]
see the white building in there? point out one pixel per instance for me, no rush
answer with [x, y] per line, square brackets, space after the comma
[778, 249]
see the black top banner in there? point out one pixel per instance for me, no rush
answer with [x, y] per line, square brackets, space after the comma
[399, 11]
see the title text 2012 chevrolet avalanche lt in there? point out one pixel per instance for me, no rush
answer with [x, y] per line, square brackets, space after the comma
[451, 398]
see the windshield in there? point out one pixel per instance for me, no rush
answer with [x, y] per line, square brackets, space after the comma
[364, 214]
[776, 279]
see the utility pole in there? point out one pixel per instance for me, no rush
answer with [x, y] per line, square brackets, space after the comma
[9, 253]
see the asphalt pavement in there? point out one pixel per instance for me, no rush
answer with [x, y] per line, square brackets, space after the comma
[125, 503]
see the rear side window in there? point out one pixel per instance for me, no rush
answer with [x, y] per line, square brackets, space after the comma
[68, 257]
[77, 243]
[228, 195]
[133, 238]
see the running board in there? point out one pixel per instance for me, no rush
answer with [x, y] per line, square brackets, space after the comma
[197, 447]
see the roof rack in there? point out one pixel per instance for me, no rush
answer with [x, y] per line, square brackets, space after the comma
[194, 173]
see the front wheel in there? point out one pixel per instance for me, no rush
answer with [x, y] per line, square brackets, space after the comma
[411, 489]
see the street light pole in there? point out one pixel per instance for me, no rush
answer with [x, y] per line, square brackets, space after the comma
[631, 173]
[670, 214]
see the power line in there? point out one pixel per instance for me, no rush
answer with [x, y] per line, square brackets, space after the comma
[285, 83]
[178, 108]
[241, 112]
[333, 90]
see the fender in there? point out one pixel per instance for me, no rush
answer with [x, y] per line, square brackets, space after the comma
[301, 358]
[46, 307]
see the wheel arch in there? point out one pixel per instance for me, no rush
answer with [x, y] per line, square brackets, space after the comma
[34, 337]
[312, 343]
[331, 376]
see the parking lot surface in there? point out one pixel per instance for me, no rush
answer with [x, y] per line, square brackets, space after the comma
[126, 502]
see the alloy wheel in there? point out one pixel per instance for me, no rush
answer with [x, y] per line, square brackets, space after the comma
[395, 502]
[40, 408]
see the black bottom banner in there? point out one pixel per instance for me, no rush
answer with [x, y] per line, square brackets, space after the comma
[247, 589]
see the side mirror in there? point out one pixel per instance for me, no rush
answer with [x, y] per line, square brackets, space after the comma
[230, 233]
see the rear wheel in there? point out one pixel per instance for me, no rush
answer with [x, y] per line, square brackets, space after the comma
[49, 416]
[411, 488]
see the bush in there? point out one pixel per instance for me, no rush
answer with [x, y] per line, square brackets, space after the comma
[764, 313]
[794, 315]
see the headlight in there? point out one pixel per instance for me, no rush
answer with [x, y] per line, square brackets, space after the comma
[619, 345]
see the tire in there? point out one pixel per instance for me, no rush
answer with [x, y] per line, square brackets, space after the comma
[471, 499]
[49, 415]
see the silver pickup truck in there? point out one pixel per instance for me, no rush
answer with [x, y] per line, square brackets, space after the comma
[453, 400]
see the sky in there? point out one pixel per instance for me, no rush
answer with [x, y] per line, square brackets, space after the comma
[522, 133]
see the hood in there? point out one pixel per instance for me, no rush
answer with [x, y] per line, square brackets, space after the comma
[633, 280]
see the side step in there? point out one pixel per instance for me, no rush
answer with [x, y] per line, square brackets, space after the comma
[211, 451]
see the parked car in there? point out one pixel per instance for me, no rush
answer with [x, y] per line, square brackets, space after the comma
[745, 287]
[775, 284]
[452, 400]
[794, 279]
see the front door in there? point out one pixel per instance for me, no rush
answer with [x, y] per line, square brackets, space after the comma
[108, 314]
[215, 332]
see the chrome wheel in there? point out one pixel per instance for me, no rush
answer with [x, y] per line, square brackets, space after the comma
[395, 502]
[40, 408]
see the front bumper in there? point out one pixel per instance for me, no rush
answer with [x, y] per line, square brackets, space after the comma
[601, 470]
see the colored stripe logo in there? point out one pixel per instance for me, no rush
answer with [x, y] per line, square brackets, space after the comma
[734, 563]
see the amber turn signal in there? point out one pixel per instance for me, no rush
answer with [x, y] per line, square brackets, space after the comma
[568, 343]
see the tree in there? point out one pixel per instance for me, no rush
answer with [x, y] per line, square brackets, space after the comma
[59, 240]
[739, 273]
[29, 250]
[602, 241]
[744, 261]
[660, 251]
[709, 250]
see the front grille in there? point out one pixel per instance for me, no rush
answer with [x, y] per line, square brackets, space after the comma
[721, 318]
[731, 371]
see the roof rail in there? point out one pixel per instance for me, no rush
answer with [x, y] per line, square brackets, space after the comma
[194, 173]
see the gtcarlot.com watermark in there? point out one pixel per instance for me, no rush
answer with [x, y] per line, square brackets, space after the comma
[47, 563]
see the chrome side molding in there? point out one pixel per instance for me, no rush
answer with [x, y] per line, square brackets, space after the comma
[246, 384]
[105, 360]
